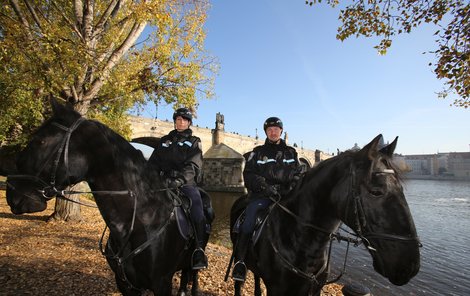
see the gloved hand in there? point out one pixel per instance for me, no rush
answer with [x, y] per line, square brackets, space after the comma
[270, 191]
[259, 185]
[296, 174]
[174, 183]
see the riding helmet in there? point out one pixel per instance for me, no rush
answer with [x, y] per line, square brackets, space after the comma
[272, 121]
[183, 112]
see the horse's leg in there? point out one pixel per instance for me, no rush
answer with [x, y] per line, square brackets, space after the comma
[257, 286]
[195, 286]
[164, 286]
[184, 279]
[238, 288]
[124, 288]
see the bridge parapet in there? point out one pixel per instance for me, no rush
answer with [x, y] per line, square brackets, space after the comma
[154, 128]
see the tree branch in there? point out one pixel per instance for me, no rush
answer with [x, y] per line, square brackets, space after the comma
[114, 58]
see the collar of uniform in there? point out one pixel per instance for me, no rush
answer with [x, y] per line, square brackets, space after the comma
[184, 134]
[282, 143]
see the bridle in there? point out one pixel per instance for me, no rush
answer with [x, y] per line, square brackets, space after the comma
[360, 219]
[49, 191]
[357, 238]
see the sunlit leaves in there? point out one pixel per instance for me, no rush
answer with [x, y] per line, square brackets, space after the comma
[97, 56]
[386, 18]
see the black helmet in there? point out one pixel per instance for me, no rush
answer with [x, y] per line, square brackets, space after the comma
[183, 112]
[272, 121]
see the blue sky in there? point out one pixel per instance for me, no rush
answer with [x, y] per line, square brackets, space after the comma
[281, 58]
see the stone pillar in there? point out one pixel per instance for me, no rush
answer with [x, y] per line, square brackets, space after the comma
[218, 134]
[317, 156]
[286, 138]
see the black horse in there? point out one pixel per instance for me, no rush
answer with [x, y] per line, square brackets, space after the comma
[361, 189]
[145, 247]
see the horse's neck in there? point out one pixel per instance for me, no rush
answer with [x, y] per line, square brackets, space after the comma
[317, 213]
[125, 195]
[314, 205]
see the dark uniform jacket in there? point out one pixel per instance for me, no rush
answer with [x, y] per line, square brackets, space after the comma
[179, 155]
[270, 164]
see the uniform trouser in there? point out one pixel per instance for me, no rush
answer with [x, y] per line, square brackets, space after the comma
[196, 211]
[253, 208]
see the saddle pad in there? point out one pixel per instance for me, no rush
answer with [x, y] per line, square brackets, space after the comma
[182, 221]
[260, 221]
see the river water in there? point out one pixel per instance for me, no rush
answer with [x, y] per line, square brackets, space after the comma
[441, 211]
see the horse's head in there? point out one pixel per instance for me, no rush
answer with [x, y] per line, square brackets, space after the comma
[377, 211]
[44, 167]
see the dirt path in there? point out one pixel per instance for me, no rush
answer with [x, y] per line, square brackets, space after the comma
[58, 258]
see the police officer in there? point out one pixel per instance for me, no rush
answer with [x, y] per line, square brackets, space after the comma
[269, 171]
[178, 157]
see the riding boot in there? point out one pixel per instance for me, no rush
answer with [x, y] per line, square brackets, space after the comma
[199, 258]
[239, 270]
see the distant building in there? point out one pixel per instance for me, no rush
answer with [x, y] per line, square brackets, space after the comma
[459, 164]
[452, 165]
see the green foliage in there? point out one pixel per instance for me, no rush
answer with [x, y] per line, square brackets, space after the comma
[386, 18]
[103, 57]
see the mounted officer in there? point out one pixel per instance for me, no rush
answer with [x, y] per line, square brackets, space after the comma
[269, 172]
[178, 157]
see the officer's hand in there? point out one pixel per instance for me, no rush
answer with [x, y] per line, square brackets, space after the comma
[270, 191]
[296, 177]
[260, 186]
[174, 183]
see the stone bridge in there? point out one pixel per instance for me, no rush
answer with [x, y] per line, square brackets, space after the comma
[222, 151]
[148, 131]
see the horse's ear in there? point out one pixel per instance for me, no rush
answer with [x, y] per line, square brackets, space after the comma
[60, 110]
[390, 148]
[371, 149]
[57, 108]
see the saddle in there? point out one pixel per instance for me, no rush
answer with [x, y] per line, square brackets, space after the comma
[260, 221]
[183, 218]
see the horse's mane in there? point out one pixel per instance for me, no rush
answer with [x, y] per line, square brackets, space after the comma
[120, 145]
[343, 160]
[125, 156]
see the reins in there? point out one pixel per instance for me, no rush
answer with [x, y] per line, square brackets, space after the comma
[121, 260]
[311, 277]
[358, 238]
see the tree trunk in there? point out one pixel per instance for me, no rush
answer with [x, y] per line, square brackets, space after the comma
[66, 210]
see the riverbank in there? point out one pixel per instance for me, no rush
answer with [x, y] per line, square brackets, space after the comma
[58, 258]
[436, 178]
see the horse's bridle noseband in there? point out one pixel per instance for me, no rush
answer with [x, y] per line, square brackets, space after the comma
[49, 190]
[361, 219]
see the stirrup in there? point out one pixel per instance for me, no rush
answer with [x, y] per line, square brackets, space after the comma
[239, 271]
[198, 259]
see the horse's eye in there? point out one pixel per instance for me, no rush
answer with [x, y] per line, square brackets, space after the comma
[376, 192]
